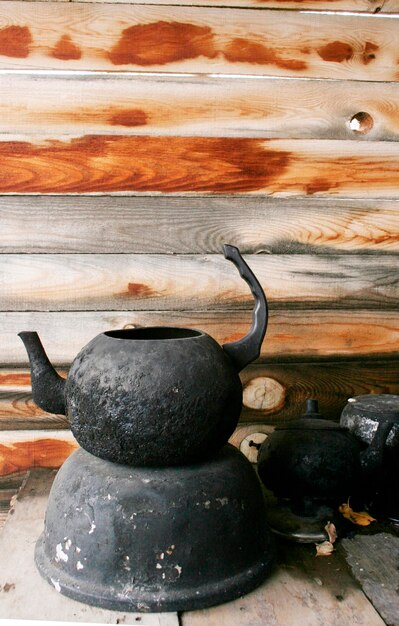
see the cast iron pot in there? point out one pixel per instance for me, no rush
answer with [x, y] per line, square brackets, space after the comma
[370, 417]
[155, 539]
[316, 460]
[152, 396]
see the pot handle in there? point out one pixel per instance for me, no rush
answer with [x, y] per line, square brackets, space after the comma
[372, 457]
[247, 349]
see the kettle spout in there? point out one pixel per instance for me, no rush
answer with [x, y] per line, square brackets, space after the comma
[48, 387]
[247, 349]
[372, 458]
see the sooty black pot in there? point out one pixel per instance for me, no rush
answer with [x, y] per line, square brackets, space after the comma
[310, 460]
[155, 539]
[152, 396]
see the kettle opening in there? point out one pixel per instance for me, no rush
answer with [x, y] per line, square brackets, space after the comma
[154, 333]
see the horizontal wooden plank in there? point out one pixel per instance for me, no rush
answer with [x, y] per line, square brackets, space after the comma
[191, 282]
[24, 450]
[18, 411]
[332, 383]
[218, 165]
[296, 335]
[198, 106]
[367, 6]
[124, 37]
[115, 224]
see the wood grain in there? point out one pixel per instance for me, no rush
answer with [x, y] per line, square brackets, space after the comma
[331, 382]
[218, 165]
[301, 590]
[18, 411]
[113, 224]
[97, 36]
[192, 282]
[38, 105]
[291, 335]
[374, 563]
[367, 6]
[23, 450]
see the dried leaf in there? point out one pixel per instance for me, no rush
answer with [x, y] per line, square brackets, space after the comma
[361, 518]
[331, 532]
[324, 549]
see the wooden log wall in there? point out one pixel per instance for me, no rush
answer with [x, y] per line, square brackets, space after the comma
[137, 137]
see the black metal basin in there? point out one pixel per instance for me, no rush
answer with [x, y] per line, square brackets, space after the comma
[155, 539]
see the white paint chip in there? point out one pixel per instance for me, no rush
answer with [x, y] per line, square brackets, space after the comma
[93, 526]
[179, 569]
[60, 554]
[68, 544]
[56, 584]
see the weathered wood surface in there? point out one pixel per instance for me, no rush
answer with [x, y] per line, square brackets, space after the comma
[367, 6]
[291, 335]
[194, 282]
[23, 450]
[49, 105]
[172, 225]
[374, 560]
[218, 165]
[18, 411]
[197, 39]
[303, 590]
[331, 382]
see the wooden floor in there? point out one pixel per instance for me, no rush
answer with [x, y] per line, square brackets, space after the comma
[303, 589]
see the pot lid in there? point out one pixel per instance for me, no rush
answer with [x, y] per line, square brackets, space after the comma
[382, 407]
[312, 420]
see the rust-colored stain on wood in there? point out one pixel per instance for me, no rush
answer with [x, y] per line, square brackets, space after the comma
[336, 52]
[158, 43]
[24, 455]
[319, 184]
[128, 117]
[101, 163]
[242, 50]
[15, 41]
[138, 290]
[15, 379]
[119, 163]
[66, 50]
[370, 49]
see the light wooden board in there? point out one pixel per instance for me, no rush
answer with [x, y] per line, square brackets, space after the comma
[32, 224]
[197, 39]
[331, 382]
[291, 335]
[47, 105]
[374, 560]
[304, 590]
[194, 282]
[218, 165]
[19, 578]
[368, 6]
